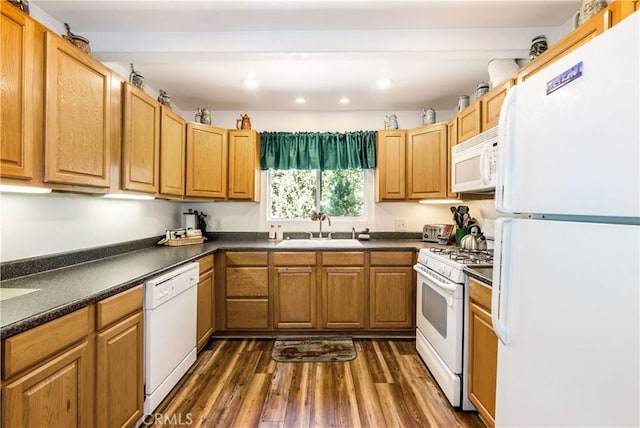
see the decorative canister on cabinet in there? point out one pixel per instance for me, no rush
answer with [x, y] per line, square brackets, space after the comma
[23, 5]
[392, 122]
[588, 8]
[482, 89]
[428, 116]
[499, 69]
[203, 115]
[78, 41]
[538, 46]
[463, 102]
[164, 98]
[136, 78]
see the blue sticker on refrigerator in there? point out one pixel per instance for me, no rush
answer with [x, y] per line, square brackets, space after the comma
[564, 78]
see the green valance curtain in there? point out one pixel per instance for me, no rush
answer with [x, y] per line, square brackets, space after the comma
[318, 150]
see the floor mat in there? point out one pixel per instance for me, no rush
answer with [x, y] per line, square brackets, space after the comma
[314, 349]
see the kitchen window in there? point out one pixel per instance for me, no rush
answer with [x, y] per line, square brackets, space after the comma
[293, 194]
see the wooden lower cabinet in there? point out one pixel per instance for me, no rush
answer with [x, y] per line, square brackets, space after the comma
[343, 297]
[58, 393]
[483, 353]
[293, 276]
[205, 317]
[247, 291]
[295, 297]
[390, 297]
[120, 373]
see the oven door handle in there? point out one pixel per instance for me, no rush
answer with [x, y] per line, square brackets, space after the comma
[450, 289]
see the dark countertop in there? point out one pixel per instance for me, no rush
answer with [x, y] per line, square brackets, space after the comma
[482, 274]
[67, 289]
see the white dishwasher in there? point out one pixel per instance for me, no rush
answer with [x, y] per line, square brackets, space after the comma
[170, 303]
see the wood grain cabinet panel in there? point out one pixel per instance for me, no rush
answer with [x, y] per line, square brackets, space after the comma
[58, 393]
[343, 297]
[294, 297]
[77, 116]
[16, 94]
[140, 140]
[391, 297]
[120, 373]
[206, 168]
[244, 165]
[247, 314]
[205, 323]
[172, 153]
[391, 165]
[483, 353]
[427, 162]
[469, 122]
[492, 103]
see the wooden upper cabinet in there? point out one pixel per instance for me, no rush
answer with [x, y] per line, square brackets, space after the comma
[469, 122]
[244, 165]
[140, 140]
[491, 103]
[16, 93]
[391, 165]
[206, 161]
[172, 152]
[427, 162]
[77, 116]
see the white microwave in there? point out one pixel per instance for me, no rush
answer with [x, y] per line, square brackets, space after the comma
[473, 163]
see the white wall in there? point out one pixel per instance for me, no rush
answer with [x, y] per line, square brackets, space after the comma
[38, 225]
[318, 121]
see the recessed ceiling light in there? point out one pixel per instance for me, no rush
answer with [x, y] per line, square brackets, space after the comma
[250, 83]
[344, 100]
[300, 100]
[383, 83]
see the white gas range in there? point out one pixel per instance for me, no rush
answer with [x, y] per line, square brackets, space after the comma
[442, 310]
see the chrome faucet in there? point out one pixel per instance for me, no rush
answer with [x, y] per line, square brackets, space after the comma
[319, 216]
[353, 233]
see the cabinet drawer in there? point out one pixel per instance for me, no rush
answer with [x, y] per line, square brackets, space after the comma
[480, 293]
[247, 259]
[116, 307]
[206, 263]
[28, 348]
[247, 281]
[392, 258]
[342, 259]
[294, 259]
[247, 313]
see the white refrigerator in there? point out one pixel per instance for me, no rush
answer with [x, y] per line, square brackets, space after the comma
[566, 281]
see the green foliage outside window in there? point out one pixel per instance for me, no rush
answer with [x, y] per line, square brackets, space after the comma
[296, 193]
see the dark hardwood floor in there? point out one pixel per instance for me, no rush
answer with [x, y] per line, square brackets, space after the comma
[235, 383]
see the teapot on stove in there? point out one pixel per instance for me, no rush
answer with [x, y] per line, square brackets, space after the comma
[475, 240]
[244, 122]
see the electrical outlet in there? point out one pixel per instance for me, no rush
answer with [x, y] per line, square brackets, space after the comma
[217, 224]
[401, 225]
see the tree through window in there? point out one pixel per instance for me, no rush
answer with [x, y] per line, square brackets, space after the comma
[294, 194]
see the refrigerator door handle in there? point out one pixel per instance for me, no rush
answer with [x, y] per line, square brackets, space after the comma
[499, 287]
[505, 133]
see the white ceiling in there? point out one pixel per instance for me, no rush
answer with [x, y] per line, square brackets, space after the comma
[199, 51]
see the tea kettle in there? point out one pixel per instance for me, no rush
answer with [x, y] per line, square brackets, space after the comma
[244, 122]
[475, 240]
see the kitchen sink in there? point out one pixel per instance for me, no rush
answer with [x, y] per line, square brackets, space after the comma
[320, 243]
[9, 293]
